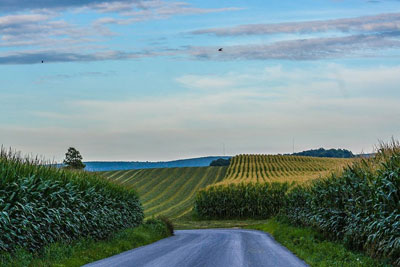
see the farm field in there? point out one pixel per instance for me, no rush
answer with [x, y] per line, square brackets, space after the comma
[171, 191]
[280, 168]
[167, 191]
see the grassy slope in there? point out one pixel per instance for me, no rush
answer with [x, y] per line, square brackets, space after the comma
[171, 191]
[168, 191]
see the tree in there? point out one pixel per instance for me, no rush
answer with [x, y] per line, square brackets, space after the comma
[220, 162]
[73, 159]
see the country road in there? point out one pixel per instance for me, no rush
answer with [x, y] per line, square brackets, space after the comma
[206, 248]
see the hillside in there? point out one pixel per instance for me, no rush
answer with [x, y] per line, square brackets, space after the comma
[131, 165]
[167, 191]
[278, 168]
[171, 191]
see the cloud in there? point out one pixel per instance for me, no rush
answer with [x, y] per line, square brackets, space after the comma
[52, 56]
[379, 23]
[150, 10]
[303, 49]
[7, 5]
[44, 29]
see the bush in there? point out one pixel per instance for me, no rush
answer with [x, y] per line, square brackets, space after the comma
[241, 200]
[220, 162]
[41, 204]
[168, 223]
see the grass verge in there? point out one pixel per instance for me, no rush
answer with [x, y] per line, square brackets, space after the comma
[312, 247]
[88, 250]
[207, 224]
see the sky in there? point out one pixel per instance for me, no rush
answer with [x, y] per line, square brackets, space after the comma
[144, 80]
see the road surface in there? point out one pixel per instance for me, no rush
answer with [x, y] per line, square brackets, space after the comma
[206, 248]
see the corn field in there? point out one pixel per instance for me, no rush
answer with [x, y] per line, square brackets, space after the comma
[280, 168]
[167, 191]
[245, 200]
[360, 207]
[41, 204]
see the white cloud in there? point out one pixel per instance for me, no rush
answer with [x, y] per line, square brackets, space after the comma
[378, 23]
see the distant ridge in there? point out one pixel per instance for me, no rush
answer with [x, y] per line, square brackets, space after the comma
[326, 153]
[132, 165]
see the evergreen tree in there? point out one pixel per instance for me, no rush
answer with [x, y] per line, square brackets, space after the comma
[73, 159]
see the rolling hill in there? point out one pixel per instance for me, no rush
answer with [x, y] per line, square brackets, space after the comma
[171, 191]
[280, 168]
[130, 165]
[167, 191]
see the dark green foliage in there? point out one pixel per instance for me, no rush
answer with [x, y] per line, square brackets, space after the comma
[41, 205]
[168, 224]
[361, 206]
[241, 200]
[326, 153]
[73, 159]
[220, 162]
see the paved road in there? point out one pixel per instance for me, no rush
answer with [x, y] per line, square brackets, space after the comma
[206, 248]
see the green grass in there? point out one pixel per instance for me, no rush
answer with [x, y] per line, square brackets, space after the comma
[209, 224]
[88, 250]
[312, 247]
[167, 191]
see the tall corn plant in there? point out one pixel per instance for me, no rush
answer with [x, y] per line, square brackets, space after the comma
[361, 206]
[41, 204]
[246, 200]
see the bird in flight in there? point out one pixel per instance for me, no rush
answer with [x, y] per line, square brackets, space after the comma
[220, 50]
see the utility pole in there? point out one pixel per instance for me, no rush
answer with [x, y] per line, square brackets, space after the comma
[293, 145]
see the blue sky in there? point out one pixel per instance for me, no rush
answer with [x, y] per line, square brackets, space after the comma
[143, 79]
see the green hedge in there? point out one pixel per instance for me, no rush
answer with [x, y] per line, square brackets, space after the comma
[42, 204]
[241, 200]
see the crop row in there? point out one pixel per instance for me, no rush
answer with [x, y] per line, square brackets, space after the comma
[269, 168]
[167, 191]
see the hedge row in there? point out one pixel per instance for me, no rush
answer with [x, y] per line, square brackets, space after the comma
[241, 200]
[41, 204]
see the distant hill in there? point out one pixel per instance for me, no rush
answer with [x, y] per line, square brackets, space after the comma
[326, 153]
[132, 165]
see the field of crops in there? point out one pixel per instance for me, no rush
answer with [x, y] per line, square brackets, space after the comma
[168, 191]
[279, 168]
[42, 204]
[171, 191]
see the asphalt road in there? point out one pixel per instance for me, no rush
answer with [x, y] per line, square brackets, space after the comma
[206, 248]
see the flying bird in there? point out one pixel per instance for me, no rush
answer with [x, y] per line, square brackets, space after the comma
[220, 50]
